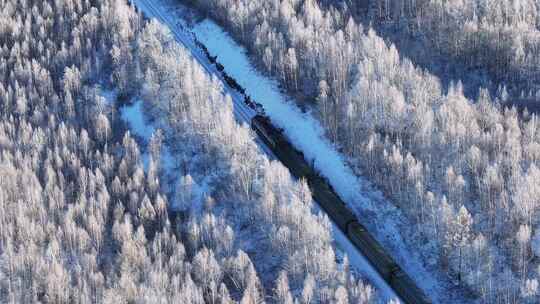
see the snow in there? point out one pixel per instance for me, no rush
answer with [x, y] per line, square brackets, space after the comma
[535, 244]
[131, 114]
[134, 116]
[108, 95]
[382, 218]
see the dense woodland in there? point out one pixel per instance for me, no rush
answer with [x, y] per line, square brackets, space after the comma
[466, 172]
[500, 39]
[500, 36]
[83, 221]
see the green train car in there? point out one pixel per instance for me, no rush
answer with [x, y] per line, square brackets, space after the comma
[331, 203]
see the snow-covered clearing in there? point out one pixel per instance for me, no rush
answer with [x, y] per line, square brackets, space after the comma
[138, 125]
[134, 116]
[382, 218]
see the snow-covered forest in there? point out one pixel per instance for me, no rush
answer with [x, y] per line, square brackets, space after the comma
[494, 44]
[92, 214]
[182, 205]
[501, 36]
[464, 171]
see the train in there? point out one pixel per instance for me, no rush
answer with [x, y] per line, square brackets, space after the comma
[325, 196]
[345, 220]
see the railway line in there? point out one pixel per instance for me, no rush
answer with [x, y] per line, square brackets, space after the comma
[242, 112]
[277, 146]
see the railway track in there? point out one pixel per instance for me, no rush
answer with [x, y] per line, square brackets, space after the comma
[242, 112]
[323, 193]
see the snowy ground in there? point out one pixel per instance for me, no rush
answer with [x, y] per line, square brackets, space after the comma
[381, 217]
[133, 115]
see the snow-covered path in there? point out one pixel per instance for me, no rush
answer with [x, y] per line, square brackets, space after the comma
[302, 129]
